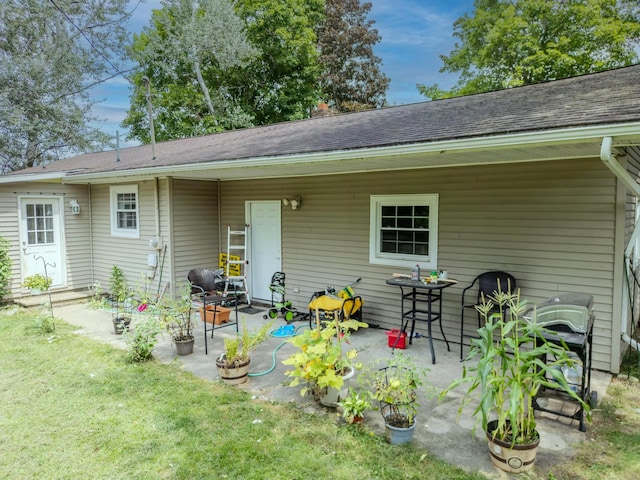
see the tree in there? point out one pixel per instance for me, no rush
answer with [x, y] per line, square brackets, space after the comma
[351, 78]
[52, 52]
[281, 83]
[507, 43]
[188, 54]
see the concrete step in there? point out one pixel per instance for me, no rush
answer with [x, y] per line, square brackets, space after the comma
[66, 297]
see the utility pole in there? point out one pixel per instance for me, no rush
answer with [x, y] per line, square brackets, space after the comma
[147, 82]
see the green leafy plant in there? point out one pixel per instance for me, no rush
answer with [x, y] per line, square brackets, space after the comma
[118, 285]
[511, 369]
[97, 299]
[321, 360]
[37, 281]
[237, 349]
[5, 269]
[175, 315]
[394, 387]
[354, 405]
[142, 339]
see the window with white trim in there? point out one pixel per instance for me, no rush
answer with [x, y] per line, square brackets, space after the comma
[124, 211]
[403, 230]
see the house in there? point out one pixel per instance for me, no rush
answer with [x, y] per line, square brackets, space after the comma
[538, 181]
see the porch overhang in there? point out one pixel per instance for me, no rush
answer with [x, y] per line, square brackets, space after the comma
[521, 147]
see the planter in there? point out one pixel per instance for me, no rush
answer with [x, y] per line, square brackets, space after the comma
[35, 291]
[184, 347]
[221, 314]
[233, 375]
[333, 395]
[119, 324]
[398, 435]
[511, 458]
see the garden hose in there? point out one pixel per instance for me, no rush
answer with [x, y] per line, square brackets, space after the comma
[278, 332]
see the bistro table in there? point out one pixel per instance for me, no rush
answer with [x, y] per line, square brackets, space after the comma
[425, 302]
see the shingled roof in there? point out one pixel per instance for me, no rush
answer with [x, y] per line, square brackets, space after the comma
[608, 98]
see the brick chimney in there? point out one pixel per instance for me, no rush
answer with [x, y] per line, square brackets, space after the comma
[322, 110]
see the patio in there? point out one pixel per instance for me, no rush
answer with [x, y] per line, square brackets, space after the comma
[440, 430]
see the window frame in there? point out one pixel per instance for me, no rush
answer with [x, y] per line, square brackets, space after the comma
[116, 231]
[376, 257]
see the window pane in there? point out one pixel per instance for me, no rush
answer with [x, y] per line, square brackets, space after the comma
[49, 236]
[31, 238]
[48, 207]
[404, 229]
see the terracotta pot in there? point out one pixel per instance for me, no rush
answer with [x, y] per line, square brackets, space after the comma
[511, 458]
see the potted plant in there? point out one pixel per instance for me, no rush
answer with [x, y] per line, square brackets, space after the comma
[395, 387]
[121, 301]
[176, 318]
[514, 361]
[37, 283]
[321, 362]
[354, 405]
[233, 363]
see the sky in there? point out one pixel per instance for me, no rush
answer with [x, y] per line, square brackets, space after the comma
[414, 34]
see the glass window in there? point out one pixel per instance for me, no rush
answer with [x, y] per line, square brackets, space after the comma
[403, 230]
[39, 223]
[124, 211]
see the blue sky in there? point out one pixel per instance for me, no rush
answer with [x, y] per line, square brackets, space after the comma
[414, 34]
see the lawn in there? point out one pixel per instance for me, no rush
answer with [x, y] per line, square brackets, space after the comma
[74, 408]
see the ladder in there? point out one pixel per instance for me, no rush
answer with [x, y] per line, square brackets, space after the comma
[236, 265]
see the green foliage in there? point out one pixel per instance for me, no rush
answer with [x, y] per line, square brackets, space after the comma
[351, 78]
[507, 43]
[141, 339]
[355, 404]
[55, 53]
[237, 349]
[321, 361]
[510, 368]
[5, 268]
[118, 284]
[189, 52]
[394, 386]
[175, 314]
[37, 281]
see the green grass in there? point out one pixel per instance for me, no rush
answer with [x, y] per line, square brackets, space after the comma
[74, 408]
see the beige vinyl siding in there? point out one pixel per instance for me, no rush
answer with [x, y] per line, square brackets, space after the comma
[9, 230]
[194, 221]
[549, 224]
[130, 254]
[75, 238]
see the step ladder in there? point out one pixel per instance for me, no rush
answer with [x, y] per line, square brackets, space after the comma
[236, 266]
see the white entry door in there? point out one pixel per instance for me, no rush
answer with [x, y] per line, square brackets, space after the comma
[41, 238]
[264, 246]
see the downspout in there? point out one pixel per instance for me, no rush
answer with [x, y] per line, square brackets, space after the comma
[219, 202]
[609, 159]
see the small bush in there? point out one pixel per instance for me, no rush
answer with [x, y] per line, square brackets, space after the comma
[141, 340]
[5, 269]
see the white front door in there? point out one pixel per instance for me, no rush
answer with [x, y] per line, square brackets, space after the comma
[41, 238]
[264, 246]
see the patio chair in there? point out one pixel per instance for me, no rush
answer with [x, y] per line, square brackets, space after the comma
[205, 285]
[485, 284]
[328, 306]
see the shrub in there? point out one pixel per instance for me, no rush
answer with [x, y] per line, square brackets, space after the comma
[5, 268]
[141, 340]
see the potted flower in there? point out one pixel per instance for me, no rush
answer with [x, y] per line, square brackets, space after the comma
[321, 362]
[233, 363]
[175, 317]
[395, 387]
[37, 283]
[354, 405]
[514, 361]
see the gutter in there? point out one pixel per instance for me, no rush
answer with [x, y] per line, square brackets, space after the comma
[608, 157]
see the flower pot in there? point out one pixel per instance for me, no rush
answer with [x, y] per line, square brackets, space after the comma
[398, 435]
[184, 347]
[221, 314]
[119, 324]
[35, 291]
[333, 395]
[511, 458]
[233, 374]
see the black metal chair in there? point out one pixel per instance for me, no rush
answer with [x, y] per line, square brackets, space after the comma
[205, 285]
[485, 284]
